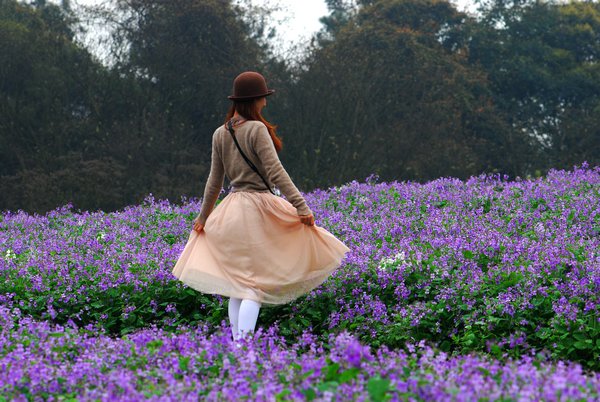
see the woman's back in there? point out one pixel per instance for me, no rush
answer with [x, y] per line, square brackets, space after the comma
[256, 143]
[240, 174]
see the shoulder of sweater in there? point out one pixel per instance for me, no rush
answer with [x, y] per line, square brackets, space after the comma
[219, 129]
[254, 129]
[250, 127]
[255, 125]
[257, 128]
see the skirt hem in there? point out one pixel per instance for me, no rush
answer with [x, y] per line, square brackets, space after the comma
[299, 289]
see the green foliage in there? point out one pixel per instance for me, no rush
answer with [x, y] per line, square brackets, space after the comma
[407, 89]
[377, 387]
[49, 98]
[74, 130]
[542, 61]
[394, 98]
[107, 307]
[192, 50]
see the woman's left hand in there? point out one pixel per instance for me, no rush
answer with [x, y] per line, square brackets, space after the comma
[308, 220]
[198, 226]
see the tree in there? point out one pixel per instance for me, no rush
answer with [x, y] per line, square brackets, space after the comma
[542, 60]
[103, 137]
[386, 97]
[183, 55]
[46, 108]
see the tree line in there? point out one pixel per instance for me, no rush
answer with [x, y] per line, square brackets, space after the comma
[404, 89]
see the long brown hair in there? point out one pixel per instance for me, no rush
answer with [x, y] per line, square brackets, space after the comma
[249, 111]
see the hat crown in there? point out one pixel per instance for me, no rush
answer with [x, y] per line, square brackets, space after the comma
[248, 85]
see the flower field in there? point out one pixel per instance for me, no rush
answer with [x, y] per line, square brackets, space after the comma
[483, 289]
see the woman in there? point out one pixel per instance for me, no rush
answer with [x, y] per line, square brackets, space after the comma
[254, 247]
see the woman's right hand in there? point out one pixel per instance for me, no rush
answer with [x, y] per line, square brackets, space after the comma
[308, 220]
[197, 225]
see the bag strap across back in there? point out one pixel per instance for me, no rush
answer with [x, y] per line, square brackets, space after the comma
[248, 161]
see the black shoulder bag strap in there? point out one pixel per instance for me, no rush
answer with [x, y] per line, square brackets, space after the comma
[248, 161]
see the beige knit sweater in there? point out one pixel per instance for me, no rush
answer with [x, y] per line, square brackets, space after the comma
[255, 141]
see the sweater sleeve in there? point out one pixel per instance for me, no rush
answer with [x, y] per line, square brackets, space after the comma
[214, 183]
[276, 174]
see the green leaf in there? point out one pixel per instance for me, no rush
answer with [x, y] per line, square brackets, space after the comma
[309, 393]
[282, 378]
[184, 362]
[332, 372]
[511, 279]
[349, 375]
[441, 204]
[281, 396]
[582, 345]
[327, 386]
[487, 205]
[377, 388]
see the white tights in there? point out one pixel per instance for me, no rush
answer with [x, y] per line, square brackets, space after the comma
[243, 314]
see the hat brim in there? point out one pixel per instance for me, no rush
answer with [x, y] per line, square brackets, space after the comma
[269, 92]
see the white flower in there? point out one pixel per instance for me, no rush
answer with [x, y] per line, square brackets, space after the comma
[389, 262]
[539, 228]
[384, 263]
[400, 257]
[100, 236]
[10, 255]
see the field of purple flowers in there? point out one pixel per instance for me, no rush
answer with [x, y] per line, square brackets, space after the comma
[453, 290]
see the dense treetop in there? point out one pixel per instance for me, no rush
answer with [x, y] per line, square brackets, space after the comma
[405, 89]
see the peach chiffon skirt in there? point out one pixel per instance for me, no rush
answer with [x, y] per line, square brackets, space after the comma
[254, 246]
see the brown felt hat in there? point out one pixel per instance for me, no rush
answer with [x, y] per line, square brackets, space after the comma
[250, 85]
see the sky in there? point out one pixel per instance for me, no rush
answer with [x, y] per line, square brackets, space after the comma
[296, 20]
[304, 17]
